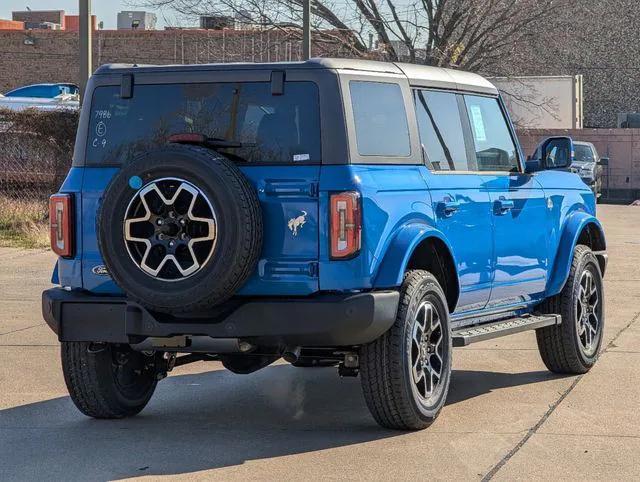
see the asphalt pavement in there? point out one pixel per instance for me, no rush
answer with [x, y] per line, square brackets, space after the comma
[506, 416]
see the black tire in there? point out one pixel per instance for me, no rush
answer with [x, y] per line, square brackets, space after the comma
[108, 381]
[386, 363]
[561, 346]
[235, 251]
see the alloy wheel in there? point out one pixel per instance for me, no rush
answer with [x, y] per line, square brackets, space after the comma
[588, 314]
[427, 351]
[170, 229]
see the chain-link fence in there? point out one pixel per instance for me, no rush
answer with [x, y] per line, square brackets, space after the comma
[35, 155]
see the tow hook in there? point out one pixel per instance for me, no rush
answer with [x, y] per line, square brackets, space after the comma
[350, 366]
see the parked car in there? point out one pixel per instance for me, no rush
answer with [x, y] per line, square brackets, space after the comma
[44, 91]
[68, 102]
[588, 164]
[333, 212]
[583, 160]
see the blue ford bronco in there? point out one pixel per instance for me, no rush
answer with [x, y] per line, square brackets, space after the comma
[364, 215]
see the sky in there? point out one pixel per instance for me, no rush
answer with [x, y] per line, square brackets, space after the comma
[105, 10]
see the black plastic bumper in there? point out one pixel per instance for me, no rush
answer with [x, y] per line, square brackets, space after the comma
[324, 320]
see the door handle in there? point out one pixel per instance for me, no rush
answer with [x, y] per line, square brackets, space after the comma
[503, 206]
[448, 208]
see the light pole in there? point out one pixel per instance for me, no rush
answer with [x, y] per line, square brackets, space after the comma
[306, 29]
[85, 44]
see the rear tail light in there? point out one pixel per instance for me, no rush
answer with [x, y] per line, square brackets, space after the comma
[346, 225]
[61, 223]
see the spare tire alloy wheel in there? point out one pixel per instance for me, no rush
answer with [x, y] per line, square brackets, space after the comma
[180, 229]
[170, 229]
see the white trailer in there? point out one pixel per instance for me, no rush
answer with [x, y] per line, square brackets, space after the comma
[547, 102]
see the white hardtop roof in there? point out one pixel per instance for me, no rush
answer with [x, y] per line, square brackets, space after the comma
[419, 75]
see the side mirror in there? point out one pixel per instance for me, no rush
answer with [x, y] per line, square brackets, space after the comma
[556, 152]
[604, 161]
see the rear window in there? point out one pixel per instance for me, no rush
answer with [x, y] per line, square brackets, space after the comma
[271, 128]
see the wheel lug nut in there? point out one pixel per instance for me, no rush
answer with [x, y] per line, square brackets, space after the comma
[183, 222]
[171, 244]
[160, 236]
[172, 214]
[159, 222]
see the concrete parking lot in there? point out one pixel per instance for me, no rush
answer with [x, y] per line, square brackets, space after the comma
[506, 417]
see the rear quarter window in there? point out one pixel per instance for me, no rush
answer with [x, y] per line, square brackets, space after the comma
[380, 119]
[271, 128]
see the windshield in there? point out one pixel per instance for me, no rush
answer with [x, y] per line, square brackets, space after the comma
[268, 128]
[583, 153]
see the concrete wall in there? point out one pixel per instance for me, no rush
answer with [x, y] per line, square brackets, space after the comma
[622, 177]
[553, 102]
[595, 38]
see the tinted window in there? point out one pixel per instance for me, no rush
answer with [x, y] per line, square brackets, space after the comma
[441, 131]
[380, 119]
[584, 153]
[494, 147]
[270, 128]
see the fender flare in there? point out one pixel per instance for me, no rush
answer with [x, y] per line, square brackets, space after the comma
[573, 227]
[398, 253]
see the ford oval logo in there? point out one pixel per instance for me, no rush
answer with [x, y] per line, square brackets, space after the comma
[100, 270]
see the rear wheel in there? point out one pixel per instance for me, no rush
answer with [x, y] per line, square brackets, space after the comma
[406, 372]
[108, 380]
[573, 346]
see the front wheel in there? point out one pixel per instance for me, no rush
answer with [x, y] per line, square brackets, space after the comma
[107, 380]
[406, 372]
[573, 346]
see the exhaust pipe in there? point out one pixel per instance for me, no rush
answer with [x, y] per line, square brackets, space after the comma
[291, 354]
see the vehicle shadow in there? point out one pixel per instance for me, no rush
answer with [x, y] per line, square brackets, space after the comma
[205, 421]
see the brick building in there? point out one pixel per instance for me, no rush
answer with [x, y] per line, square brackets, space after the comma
[11, 25]
[33, 56]
[55, 17]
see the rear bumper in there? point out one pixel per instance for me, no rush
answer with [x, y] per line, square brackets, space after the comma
[324, 320]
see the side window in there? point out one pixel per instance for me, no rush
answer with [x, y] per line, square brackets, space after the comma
[494, 146]
[441, 131]
[380, 119]
[584, 153]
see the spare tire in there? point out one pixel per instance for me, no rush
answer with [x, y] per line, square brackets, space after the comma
[180, 229]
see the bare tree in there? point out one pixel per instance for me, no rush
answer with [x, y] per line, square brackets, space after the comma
[470, 34]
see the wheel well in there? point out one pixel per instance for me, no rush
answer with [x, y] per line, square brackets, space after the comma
[592, 236]
[433, 255]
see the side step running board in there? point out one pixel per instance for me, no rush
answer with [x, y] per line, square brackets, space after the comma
[473, 334]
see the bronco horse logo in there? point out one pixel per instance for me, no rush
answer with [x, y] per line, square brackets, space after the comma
[297, 223]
